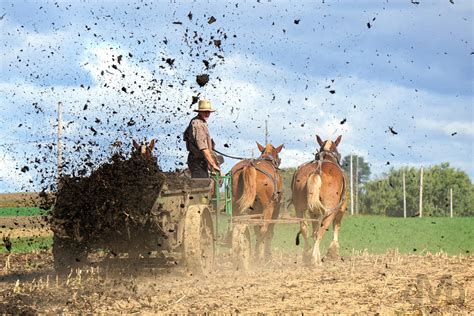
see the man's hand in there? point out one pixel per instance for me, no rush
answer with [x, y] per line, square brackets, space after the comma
[210, 160]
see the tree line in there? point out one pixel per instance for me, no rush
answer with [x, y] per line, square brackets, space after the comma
[384, 195]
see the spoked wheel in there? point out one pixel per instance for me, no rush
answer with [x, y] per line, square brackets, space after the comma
[241, 248]
[198, 240]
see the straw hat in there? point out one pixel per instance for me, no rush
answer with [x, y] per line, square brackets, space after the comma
[204, 106]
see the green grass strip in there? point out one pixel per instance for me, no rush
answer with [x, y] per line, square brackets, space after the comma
[22, 211]
[28, 244]
[378, 234]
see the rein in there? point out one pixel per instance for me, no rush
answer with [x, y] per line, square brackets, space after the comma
[269, 158]
[229, 156]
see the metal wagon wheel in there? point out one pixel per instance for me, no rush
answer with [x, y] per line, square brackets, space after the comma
[198, 239]
[241, 247]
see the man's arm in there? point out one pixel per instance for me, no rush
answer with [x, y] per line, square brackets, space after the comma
[210, 159]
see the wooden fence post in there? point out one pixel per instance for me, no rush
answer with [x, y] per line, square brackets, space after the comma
[451, 202]
[421, 193]
[404, 197]
[357, 186]
[352, 191]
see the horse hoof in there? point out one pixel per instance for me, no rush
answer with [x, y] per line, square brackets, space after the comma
[333, 253]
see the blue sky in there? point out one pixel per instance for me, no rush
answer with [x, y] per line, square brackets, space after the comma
[411, 70]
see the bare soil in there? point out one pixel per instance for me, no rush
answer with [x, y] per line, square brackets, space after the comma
[24, 226]
[20, 199]
[360, 283]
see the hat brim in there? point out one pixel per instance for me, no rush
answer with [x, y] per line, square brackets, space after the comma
[204, 110]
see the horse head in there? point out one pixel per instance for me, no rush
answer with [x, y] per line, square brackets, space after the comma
[270, 153]
[328, 148]
[144, 150]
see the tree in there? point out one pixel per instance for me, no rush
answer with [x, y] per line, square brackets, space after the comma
[360, 174]
[363, 168]
[287, 175]
[385, 195]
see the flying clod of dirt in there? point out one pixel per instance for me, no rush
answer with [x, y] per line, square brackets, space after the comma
[202, 79]
[211, 20]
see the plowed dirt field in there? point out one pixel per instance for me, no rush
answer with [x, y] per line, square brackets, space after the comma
[358, 283]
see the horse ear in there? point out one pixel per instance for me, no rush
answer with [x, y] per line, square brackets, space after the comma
[338, 140]
[135, 144]
[279, 148]
[260, 147]
[152, 144]
[320, 141]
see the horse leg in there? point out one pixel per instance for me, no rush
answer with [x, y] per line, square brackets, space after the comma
[266, 231]
[258, 244]
[268, 242]
[333, 251]
[304, 232]
[318, 235]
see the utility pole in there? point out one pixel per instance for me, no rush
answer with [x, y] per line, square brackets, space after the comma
[357, 186]
[421, 192]
[451, 202]
[352, 191]
[404, 197]
[60, 152]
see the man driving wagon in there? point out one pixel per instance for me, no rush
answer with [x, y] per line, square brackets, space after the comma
[201, 158]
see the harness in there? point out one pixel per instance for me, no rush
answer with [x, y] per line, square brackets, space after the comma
[273, 162]
[319, 159]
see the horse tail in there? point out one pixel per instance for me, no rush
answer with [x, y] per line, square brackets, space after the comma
[249, 188]
[313, 187]
[297, 241]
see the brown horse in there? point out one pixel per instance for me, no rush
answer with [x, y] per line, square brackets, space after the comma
[144, 149]
[319, 187]
[257, 189]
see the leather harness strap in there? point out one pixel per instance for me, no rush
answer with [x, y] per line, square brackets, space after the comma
[254, 163]
[272, 177]
[320, 159]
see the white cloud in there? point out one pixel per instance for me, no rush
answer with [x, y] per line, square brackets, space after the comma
[10, 176]
[447, 127]
[268, 75]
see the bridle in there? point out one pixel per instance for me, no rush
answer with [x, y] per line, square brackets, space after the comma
[275, 160]
[144, 150]
[322, 154]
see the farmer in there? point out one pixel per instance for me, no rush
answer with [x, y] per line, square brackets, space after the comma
[200, 144]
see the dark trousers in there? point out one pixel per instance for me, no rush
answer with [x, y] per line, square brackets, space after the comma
[197, 167]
